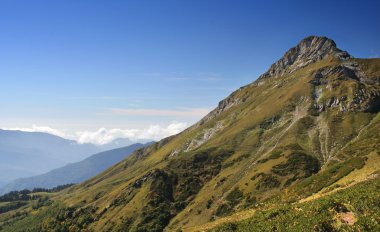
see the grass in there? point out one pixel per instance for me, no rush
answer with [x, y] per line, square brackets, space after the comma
[323, 214]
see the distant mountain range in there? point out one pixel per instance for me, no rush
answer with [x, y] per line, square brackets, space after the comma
[74, 172]
[25, 154]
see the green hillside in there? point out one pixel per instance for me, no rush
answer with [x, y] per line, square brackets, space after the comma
[304, 137]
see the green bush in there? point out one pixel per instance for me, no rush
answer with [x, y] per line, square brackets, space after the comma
[296, 163]
[231, 201]
[267, 181]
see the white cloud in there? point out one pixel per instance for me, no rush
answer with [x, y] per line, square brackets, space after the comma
[182, 112]
[104, 136]
[44, 129]
[153, 132]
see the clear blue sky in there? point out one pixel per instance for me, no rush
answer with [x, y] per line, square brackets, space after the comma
[82, 65]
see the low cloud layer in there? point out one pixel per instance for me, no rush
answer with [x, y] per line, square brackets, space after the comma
[153, 132]
[104, 136]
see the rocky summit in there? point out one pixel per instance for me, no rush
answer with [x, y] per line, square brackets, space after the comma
[296, 150]
[308, 51]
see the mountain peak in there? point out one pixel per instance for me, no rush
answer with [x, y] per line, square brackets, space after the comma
[311, 49]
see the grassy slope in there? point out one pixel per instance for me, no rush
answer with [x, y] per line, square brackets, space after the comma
[358, 192]
[351, 209]
[249, 160]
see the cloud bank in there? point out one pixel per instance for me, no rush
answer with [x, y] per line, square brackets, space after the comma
[153, 132]
[104, 136]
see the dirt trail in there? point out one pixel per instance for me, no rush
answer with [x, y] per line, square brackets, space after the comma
[233, 218]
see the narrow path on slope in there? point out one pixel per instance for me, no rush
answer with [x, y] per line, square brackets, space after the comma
[233, 218]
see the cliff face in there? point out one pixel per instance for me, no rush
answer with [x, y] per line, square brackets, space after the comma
[309, 121]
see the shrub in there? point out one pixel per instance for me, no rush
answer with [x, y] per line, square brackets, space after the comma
[232, 199]
[297, 163]
[267, 182]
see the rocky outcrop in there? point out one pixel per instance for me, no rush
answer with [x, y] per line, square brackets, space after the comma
[328, 78]
[308, 51]
[203, 137]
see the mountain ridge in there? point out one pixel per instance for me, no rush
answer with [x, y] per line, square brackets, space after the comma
[269, 144]
[43, 151]
[310, 45]
[73, 173]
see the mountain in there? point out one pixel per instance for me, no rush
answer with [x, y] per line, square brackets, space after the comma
[296, 150]
[43, 152]
[74, 172]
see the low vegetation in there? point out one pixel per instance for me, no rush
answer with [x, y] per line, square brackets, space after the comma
[352, 209]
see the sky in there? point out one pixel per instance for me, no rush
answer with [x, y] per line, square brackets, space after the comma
[96, 70]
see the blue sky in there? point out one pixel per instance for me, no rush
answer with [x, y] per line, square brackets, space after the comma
[152, 67]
